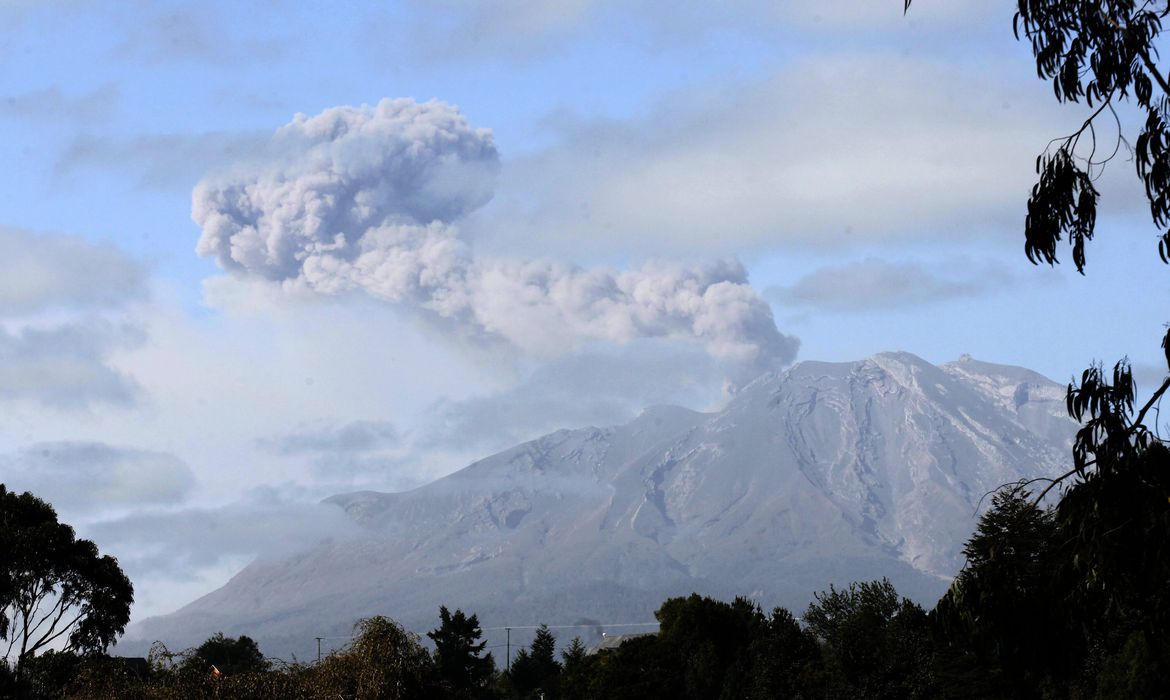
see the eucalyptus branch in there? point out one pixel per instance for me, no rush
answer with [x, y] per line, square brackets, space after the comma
[48, 614]
[62, 631]
[11, 643]
[1056, 481]
[57, 619]
[1153, 399]
[1154, 73]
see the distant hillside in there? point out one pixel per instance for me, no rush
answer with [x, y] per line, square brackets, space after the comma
[826, 473]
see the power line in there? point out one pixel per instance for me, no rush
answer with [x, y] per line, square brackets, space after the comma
[509, 628]
[584, 626]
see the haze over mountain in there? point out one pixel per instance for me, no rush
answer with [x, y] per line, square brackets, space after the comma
[823, 474]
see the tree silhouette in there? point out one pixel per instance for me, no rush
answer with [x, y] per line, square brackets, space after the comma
[575, 670]
[874, 643]
[1000, 607]
[535, 671]
[457, 653]
[229, 655]
[785, 660]
[710, 638]
[54, 589]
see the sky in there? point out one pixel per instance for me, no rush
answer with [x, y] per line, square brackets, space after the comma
[260, 253]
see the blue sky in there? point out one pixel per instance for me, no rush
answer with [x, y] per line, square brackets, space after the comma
[867, 170]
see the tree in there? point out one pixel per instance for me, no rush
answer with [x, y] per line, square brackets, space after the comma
[707, 648]
[54, 589]
[573, 656]
[785, 661]
[229, 655]
[535, 671]
[575, 670]
[458, 647]
[385, 662]
[710, 639]
[1005, 607]
[641, 668]
[874, 643]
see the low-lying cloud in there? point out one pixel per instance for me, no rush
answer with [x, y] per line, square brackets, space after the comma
[57, 339]
[356, 436]
[67, 366]
[590, 389]
[179, 542]
[51, 271]
[81, 479]
[367, 199]
[873, 283]
[348, 453]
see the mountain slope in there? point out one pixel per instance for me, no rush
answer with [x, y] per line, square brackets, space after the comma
[826, 473]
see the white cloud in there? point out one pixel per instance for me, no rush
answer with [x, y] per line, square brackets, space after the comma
[360, 451]
[53, 103]
[59, 302]
[177, 541]
[160, 161]
[84, 479]
[589, 389]
[365, 199]
[873, 283]
[525, 30]
[67, 366]
[173, 557]
[355, 436]
[197, 32]
[49, 271]
[832, 151]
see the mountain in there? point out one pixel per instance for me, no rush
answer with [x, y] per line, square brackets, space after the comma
[824, 474]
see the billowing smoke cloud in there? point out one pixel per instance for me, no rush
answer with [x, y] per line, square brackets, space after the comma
[366, 199]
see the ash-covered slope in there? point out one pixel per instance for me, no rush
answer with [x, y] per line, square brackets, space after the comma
[824, 474]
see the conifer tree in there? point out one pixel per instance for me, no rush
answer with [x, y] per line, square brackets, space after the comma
[535, 671]
[458, 649]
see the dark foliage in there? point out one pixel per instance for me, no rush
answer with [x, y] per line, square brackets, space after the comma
[535, 671]
[707, 648]
[874, 643]
[640, 669]
[1072, 598]
[710, 639]
[1003, 607]
[228, 655]
[54, 589]
[785, 660]
[458, 654]
[575, 670]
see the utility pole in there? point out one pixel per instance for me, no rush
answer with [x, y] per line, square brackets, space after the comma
[319, 649]
[509, 631]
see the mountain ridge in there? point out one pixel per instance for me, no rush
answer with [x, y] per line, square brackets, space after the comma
[818, 475]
